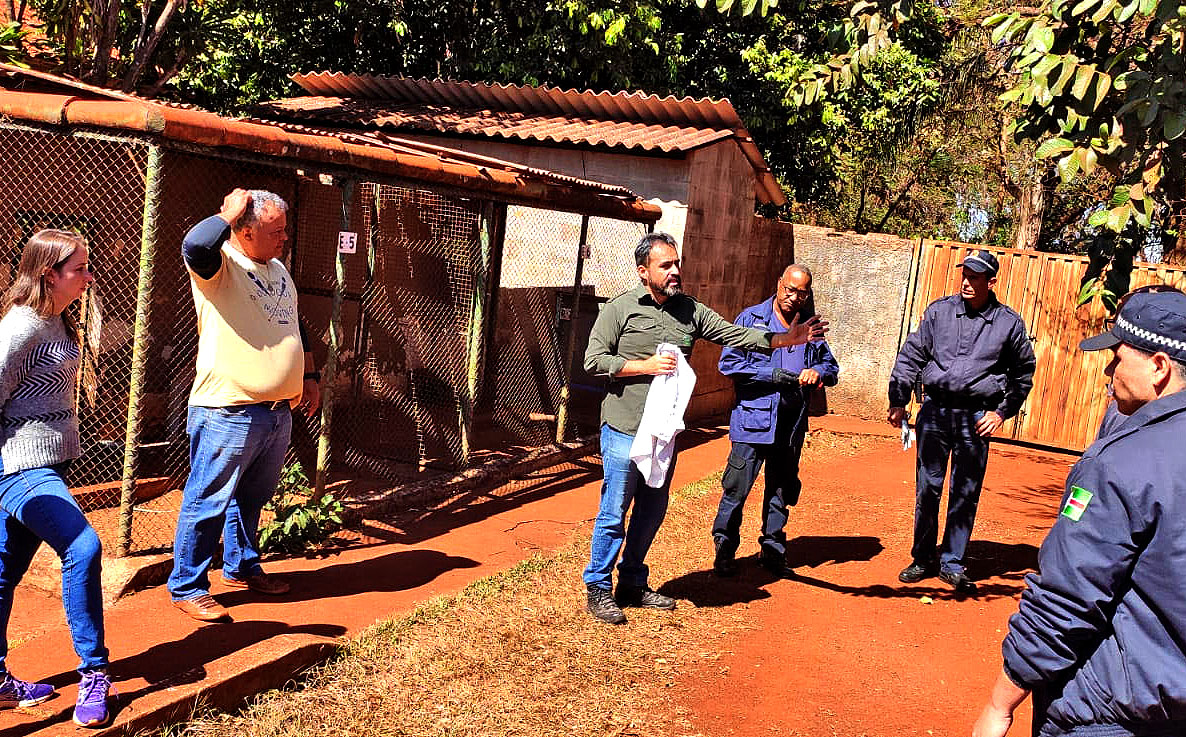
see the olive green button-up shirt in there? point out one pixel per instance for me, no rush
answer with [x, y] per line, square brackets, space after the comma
[631, 326]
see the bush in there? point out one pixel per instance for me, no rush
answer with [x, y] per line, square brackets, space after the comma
[300, 522]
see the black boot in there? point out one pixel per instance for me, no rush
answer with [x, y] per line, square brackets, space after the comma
[724, 564]
[775, 564]
[602, 606]
[643, 598]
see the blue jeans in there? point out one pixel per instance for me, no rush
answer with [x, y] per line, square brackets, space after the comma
[622, 484]
[35, 505]
[782, 490]
[946, 432]
[235, 457]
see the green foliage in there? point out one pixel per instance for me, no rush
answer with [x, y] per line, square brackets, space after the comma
[1102, 84]
[300, 521]
[12, 44]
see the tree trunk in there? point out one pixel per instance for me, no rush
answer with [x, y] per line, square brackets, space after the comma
[9, 8]
[107, 13]
[145, 50]
[1174, 254]
[1032, 204]
[173, 71]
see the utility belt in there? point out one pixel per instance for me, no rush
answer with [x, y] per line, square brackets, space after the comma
[958, 401]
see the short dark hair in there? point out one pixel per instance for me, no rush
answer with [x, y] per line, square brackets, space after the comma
[642, 252]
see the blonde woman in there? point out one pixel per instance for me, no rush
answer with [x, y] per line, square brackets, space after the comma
[39, 357]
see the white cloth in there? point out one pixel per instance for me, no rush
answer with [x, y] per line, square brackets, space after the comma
[662, 419]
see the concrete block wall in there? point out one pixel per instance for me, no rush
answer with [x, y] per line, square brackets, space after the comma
[861, 285]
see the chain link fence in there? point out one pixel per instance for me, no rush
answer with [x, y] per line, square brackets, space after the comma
[524, 388]
[453, 315]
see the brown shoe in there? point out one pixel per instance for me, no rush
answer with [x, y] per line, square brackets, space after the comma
[260, 583]
[204, 609]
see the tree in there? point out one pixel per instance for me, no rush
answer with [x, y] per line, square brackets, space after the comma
[1097, 85]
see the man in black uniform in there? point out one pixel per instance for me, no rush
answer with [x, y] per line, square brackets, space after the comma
[977, 367]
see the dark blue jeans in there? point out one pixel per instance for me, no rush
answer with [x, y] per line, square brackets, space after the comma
[35, 505]
[622, 484]
[781, 459]
[235, 457]
[947, 433]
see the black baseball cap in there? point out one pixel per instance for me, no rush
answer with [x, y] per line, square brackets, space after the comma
[1151, 321]
[982, 262]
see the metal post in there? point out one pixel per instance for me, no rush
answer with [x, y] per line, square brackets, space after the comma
[570, 344]
[140, 335]
[335, 342]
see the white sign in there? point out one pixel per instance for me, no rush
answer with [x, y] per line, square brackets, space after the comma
[347, 242]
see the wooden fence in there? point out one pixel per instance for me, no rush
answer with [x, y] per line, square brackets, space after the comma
[1069, 395]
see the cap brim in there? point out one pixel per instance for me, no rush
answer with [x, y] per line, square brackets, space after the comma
[1099, 342]
[976, 266]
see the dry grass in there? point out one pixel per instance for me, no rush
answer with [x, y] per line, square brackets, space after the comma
[515, 653]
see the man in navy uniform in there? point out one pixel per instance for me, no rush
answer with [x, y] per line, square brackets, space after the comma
[977, 367]
[769, 422]
[1100, 634]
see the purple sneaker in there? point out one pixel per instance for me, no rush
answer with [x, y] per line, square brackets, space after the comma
[91, 709]
[15, 692]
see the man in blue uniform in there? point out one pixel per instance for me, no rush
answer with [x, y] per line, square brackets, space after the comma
[769, 422]
[1100, 634]
[977, 367]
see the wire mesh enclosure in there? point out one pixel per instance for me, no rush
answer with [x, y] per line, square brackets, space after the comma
[446, 347]
[535, 318]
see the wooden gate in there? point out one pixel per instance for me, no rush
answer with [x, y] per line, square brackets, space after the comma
[1069, 395]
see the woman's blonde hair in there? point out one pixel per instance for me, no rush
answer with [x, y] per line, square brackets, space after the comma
[47, 249]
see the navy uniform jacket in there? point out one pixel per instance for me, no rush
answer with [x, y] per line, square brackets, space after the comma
[967, 358]
[1101, 629]
[761, 404]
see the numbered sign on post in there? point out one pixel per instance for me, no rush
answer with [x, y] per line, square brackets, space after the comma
[347, 242]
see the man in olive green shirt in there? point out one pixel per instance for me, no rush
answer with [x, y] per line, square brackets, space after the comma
[622, 347]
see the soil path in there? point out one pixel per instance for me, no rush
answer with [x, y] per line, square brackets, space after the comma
[847, 649]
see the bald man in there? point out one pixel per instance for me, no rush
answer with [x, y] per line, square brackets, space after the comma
[769, 422]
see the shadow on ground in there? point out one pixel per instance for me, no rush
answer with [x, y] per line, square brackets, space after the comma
[398, 571]
[705, 589]
[986, 559]
[167, 665]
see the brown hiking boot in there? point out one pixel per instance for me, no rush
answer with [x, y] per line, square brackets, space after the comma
[260, 583]
[203, 608]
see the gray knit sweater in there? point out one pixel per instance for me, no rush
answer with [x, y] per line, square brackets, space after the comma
[38, 366]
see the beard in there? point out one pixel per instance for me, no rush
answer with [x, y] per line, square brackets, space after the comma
[669, 289]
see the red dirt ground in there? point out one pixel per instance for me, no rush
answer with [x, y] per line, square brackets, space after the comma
[847, 649]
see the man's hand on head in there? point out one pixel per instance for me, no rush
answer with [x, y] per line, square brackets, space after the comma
[234, 205]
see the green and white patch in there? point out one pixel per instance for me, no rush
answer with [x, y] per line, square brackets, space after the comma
[1076, 503]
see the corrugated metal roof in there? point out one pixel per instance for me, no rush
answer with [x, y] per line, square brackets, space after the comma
[496, 179]
[627, 106]
[631, 120]
[504, 124]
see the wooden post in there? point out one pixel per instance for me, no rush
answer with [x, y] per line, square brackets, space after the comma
[570, 344]
[148, 245]
[335, 344]
[479, 301]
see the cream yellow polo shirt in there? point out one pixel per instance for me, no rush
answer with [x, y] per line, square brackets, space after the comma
[249, 345]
